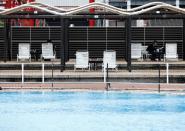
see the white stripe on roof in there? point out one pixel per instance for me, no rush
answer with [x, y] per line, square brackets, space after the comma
[62, 12]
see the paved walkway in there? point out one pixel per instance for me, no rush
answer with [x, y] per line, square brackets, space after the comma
[89, 74]
[119, 61]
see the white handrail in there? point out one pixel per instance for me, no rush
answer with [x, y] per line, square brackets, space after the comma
[22, 73]
[167, 73]
[42, 72]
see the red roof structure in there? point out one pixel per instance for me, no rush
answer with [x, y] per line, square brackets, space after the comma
[13, 3]
[92, 10]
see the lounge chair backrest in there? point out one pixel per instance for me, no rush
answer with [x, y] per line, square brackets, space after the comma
[47, 50]
[171, 50]
[109, 57]
[82, 59]
[24, 50]
[136, 49]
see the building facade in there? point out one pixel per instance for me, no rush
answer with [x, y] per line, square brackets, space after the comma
[2, 4]
[128, 4]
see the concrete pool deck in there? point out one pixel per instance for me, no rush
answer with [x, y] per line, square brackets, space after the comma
[95, 86]
[11, 77]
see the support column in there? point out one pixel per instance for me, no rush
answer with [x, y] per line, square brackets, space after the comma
[183, 39]
[125, 40]
[92, 11]
[6, 39]
[177, 3]
[66, 40]
[128, 4]
[62, 44]
[128, 43]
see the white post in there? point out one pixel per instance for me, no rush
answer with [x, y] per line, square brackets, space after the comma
[167, 73]
[106, 22]
[128, 4]
[104, 73]
[42, 72]
[22, 72]
[177, 3]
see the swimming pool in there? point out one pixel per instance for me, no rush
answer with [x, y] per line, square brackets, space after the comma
[91, 111]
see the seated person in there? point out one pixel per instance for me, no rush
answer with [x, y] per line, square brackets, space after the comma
[37, 53]
[152, 50]
[160, 53]
[33, 54]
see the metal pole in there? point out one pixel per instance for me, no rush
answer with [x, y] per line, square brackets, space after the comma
[42, 72]
[107, 78]
[22, 73]
[167, 73]
[107, 72]
[159, 80]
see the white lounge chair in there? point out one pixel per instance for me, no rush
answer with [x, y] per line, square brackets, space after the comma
[24, 52]
[82, 60]
[47, 51]
[144, 52]
[136, 49]
[109, 57]
[171, 51]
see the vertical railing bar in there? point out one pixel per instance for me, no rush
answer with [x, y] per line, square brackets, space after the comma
[167, 73]
[22, 73]
[107, 79]
[43, 73]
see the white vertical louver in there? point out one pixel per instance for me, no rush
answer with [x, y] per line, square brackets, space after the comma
[66, 2]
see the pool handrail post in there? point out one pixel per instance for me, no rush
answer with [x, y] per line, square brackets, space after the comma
[22, 73]
[167, 73]
[107, 73]
[159, 80]
[104, 74]
[107, 78]
[43, 73]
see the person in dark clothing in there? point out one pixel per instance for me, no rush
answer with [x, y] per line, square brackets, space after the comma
[152, 50]
[160, 53]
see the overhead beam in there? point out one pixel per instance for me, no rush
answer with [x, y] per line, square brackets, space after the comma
[145, 16]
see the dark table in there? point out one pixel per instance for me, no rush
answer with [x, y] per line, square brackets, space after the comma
[35, 54]
[95, 61]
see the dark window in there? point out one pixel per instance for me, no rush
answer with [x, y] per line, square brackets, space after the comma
[142, 2]
[182, 3]
[135, 3]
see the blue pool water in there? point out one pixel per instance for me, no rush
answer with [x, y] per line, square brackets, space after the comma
[91, 111]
